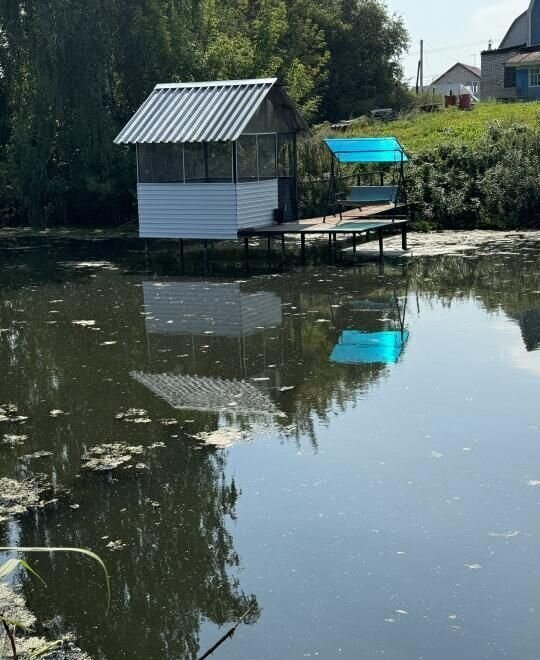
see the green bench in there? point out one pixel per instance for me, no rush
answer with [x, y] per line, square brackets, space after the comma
[360, 196]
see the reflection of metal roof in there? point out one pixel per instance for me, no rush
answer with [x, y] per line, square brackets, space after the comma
[524, 59]
[220, 309]
[355, 347]
[202, 112]
[185, 392]
[367, 150]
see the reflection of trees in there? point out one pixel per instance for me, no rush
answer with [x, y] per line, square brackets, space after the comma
[175, 570]
[179, 565]
[500, 281]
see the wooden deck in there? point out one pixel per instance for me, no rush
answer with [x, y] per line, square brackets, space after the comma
[372, 222]
[354, 221]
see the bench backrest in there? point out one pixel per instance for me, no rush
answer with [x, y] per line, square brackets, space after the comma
[374, 194]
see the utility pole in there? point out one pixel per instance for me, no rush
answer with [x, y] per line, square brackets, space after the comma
[421, 66]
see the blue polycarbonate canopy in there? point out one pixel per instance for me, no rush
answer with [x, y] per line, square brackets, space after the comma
[367, 150]
[355, 347]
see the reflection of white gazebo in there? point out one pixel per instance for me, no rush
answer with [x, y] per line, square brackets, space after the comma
[199, 393]
[199, 311]
[197, 308]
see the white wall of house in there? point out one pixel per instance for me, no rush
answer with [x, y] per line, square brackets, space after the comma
[454, 78]
[204, 210]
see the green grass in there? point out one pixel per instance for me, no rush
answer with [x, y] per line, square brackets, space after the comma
[419, 132]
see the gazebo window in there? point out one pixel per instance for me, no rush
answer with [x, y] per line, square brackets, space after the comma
[219, 158]
[247, 158]
[256, 157]
[160, 163]
[194, 162]
[266, 148]
[286, 149]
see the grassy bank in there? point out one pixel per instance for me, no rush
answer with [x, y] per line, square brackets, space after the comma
[420, 131]
[468, 170]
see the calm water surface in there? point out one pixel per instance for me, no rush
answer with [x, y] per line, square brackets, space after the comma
[378, 501]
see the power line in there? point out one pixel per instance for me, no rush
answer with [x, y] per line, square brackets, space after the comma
[455, 47]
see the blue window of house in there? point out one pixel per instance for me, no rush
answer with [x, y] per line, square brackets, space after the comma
[534, 76]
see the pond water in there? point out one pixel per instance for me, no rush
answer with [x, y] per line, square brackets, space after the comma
[354, 453]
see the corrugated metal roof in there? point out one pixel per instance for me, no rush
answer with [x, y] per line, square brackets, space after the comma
[524, 59]
[196, 112]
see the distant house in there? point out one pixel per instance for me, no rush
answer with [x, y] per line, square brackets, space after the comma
[512, 71]
[458, 76]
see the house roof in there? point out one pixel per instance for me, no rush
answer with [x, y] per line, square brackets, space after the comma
[524, 59]
[202, 111]
[512, 27]
[473, 69]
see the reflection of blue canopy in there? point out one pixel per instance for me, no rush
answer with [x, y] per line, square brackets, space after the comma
[355, 347]
[367, 150]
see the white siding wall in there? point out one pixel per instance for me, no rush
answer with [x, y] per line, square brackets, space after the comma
[256, 203]
[204, 210]
[191, 210]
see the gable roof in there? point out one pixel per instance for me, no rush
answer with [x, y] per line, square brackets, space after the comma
[473, 69]
[202, 111]
[515, 27]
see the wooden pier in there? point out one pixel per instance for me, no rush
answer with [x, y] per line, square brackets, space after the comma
[371, 223]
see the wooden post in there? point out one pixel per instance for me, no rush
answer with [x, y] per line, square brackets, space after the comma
[404, 236]
[381, 246]
[303, 248]
[181, 254]
[205, 248]
[246, 252]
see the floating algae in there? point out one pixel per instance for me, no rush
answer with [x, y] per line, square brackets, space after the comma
[14, 608]
[18, 497]
[134, 415]
[109, 456]
[8, 413]
[36, 454]
[12, 439]
[222, 438]
[115, 546]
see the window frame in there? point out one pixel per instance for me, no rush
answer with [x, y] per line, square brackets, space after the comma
[534, 76]
[260, 178]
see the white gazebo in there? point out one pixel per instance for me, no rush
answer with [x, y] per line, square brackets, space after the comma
[214, 158]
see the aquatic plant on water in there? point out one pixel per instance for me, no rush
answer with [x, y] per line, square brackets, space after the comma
[14, 620]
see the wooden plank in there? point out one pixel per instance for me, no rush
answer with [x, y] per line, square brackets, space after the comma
[357, 221]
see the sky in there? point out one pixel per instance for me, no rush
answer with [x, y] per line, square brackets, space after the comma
[455, 31]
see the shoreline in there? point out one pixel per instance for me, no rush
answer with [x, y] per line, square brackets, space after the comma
[436, 243]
